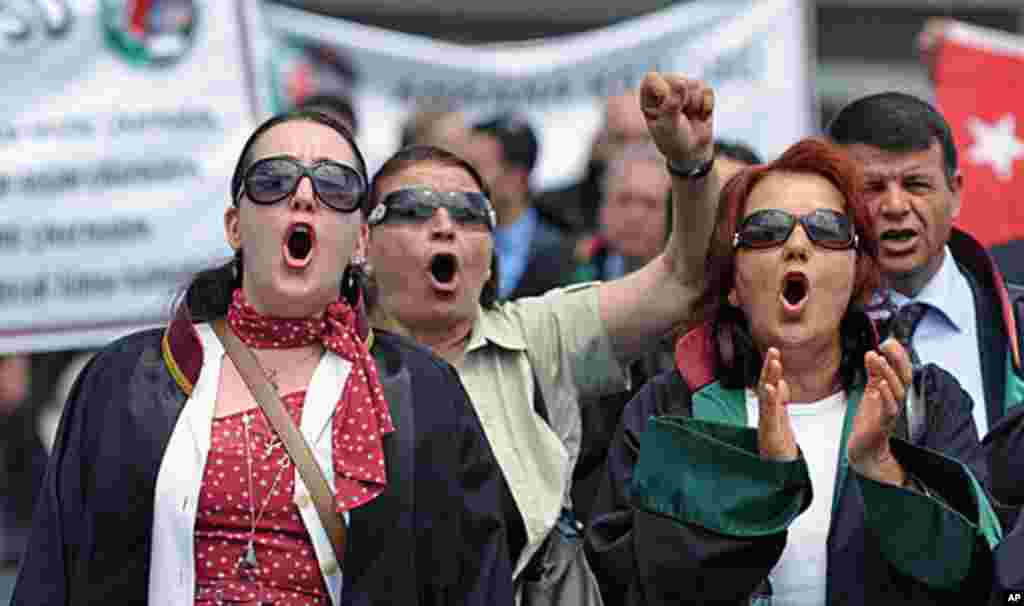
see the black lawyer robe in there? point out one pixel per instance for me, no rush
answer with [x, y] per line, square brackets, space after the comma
[436, 536]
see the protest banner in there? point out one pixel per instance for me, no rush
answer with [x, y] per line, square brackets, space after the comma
[754, 52]
[120, 122]
[124, 118]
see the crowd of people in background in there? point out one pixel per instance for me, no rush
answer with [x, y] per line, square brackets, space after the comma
[666, 356]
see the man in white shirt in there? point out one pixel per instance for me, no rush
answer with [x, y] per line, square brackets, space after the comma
[906, 150]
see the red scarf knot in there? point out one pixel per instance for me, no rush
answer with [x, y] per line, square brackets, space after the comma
[361, 416]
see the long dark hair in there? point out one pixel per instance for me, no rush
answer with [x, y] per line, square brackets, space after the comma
[739, 360]
[208, 295]
[429, 154]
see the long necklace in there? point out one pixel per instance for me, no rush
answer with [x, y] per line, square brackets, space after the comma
[248, 562]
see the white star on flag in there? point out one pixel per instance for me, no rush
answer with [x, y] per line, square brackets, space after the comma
[995, 144]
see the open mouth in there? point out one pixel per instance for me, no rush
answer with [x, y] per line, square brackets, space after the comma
[898, 235]
[443, 267]
[298, 244]
[794, 290]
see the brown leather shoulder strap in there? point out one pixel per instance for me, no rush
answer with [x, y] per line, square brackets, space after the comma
[302, 455]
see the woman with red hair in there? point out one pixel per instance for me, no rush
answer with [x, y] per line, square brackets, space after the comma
[778, 462]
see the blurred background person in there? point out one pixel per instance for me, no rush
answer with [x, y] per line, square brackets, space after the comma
[633, 215]
[533, 254]
[631, 181]
[22, 463]
[733, 156]
[438, 123]
[50, 410]
[576, 206]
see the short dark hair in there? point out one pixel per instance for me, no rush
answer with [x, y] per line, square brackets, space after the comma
[429, 154]
[336, 106]
[519, 146]
[895, 122]
[735, 150]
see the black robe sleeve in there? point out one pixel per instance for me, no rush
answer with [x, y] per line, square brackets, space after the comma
[51, 552]
[486, 577]
[462, 544]
[1009, 556]
[937, 546]
[635, 550]
[1004, 446]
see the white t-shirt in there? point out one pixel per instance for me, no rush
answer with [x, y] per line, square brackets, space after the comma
[799, 578]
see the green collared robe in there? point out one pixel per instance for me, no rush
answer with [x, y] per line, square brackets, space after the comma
[688, 512]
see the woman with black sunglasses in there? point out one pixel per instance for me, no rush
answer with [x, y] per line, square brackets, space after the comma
[168, 484]
[780, 461]
[528, 364]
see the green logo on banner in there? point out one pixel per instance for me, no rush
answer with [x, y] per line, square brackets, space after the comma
[150, 32]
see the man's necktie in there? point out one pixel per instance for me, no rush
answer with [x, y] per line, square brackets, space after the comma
[903, 324]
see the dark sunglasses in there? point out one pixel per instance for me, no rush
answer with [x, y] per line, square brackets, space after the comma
[771, 227]
[417, 204]
[337, 185]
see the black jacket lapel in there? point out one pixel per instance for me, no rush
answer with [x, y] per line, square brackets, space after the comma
[381, 532]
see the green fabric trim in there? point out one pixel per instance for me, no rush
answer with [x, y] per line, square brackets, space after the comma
[583, 272]
[1014, 384]
[988, 521]
[710, 474]
[843, 465]
[921, 536]
[729, 406]
[720, 405]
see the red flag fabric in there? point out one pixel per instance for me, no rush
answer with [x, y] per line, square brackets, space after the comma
[979, 76]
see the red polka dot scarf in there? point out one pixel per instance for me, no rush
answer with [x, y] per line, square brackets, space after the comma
[361, 416]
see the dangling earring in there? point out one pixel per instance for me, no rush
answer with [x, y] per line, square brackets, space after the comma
[236, 267]
[350, 283]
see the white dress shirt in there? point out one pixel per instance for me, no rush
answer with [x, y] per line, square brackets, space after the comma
[948, 332]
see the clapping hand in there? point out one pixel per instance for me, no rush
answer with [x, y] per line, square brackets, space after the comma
[889, 379]
[775, 439]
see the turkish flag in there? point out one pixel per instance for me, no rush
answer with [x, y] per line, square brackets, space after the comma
[979, 76]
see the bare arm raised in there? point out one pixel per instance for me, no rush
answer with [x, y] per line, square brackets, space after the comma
[649, 302]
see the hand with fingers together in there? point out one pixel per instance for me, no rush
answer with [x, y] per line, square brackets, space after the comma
[890, 376]
[679, 114]
[775, 439]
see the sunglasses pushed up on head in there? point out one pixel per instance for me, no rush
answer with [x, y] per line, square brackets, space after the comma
[418, 204]
[772, 227]
[336, 185]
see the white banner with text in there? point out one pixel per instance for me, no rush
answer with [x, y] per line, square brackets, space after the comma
[754, 52]
[122, 121]
[120, 125]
